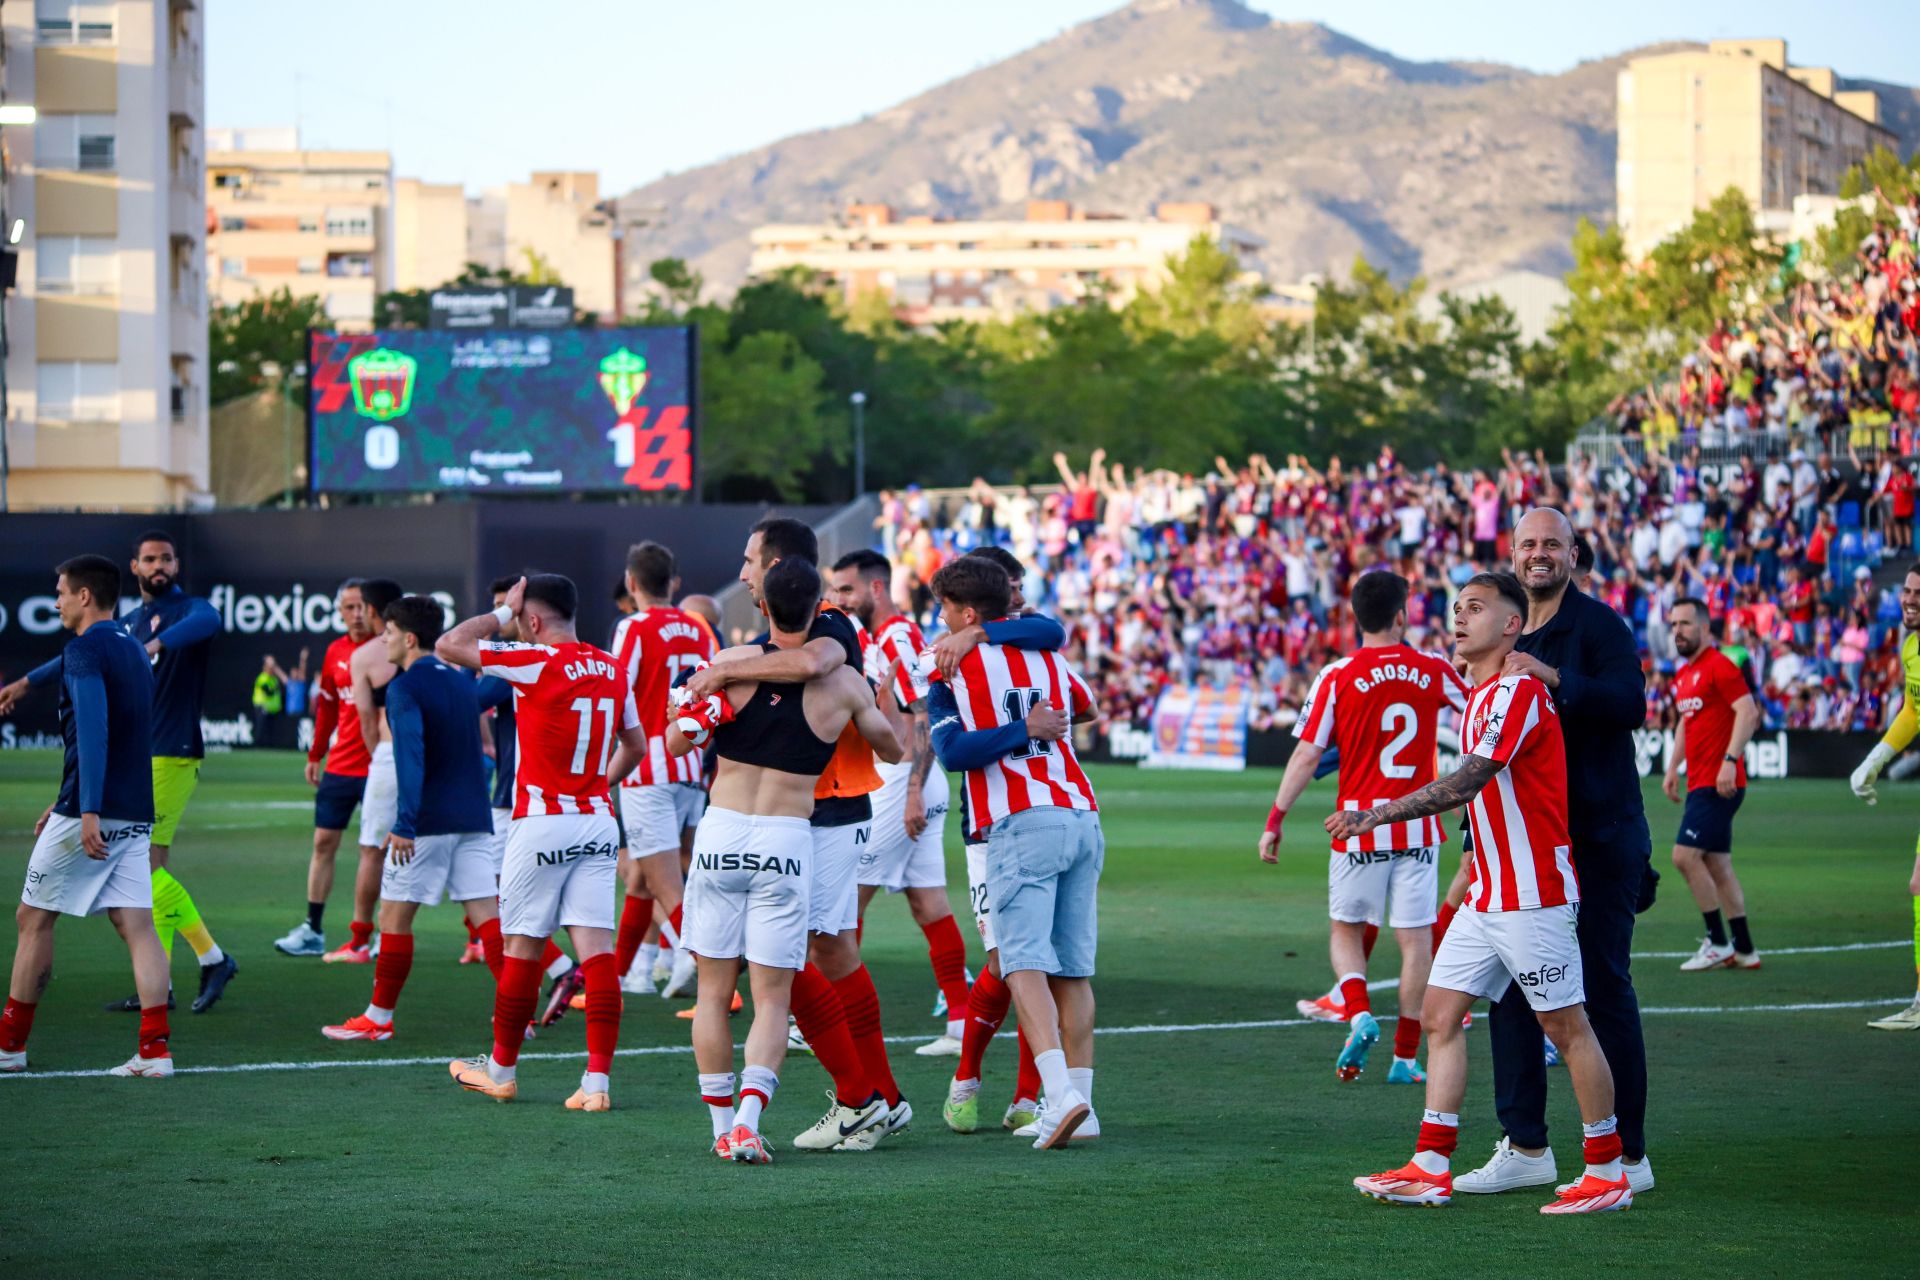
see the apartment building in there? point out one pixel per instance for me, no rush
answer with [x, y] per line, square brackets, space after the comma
[1735, 114]
[106, 329]
[935, 269]
[559, 221]
[317, 223]
[431, 231]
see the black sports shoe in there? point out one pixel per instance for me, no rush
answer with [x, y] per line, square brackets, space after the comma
[132, 1004]
[564, 988]
[213, 982]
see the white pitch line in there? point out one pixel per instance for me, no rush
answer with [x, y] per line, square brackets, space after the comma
[1264, 1024]
[1787, 951]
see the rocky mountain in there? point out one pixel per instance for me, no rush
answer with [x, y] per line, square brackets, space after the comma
[1321, 144]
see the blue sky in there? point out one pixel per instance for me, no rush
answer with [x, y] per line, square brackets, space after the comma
[472, 91]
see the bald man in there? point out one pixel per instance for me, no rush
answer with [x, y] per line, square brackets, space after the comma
[1585, 654]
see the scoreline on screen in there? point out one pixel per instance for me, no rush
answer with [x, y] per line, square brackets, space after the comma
[584, 410]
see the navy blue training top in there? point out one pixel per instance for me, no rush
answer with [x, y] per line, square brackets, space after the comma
[498, 694]
[184, 625]
[434, 714]
[106, 726]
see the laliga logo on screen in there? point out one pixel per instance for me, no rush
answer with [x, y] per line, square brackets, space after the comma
[382, 383]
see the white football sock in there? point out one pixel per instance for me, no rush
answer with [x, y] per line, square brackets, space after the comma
[1082, 1079]
[719, 1084]
[1052, 1066]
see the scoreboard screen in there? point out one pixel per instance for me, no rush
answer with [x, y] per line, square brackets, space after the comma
[502, 410]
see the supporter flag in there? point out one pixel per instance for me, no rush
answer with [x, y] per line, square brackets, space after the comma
[1200, 728]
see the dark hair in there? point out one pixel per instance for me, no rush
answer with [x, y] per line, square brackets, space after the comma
[974, 582]
[1507, 585]
[782, 538]
[349, 584]
[378, 593]
[98, 576]
[419, 616]
[1698, 604]
[1002, 557]
[651, 565]
[1582, 554]
[556, 592]
[503, 585]
[791, 590]
[1377, 598]
[871, 565]
[155, 535]
[1914, 567]
[620, 591]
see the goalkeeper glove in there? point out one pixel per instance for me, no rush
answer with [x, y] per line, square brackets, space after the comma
[1869, 770]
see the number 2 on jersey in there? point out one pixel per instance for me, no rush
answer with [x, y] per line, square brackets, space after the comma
[1403, 715]
[584, 708]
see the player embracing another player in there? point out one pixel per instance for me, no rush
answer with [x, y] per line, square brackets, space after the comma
[748, 896]
[1380, 707]
[1517, 927]
[571, 701]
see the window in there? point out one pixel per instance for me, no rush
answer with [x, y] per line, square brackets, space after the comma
[233, 224]
[78, 391]
[353, 265]
[309, 266]
[73, 23]
[75, 142]
[349, 222]
[308, 223]
[233, 267]
[77, 264]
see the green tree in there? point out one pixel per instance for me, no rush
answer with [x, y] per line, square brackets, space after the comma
[260, 342]
[679, 283]
[762, 424]
[1881, 172]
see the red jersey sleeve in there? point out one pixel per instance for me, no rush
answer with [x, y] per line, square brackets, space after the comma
[1315, 724]
[1510, 714]
[1728, 682]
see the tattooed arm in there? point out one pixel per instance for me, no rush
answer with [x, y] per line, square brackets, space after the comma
[1450, 792]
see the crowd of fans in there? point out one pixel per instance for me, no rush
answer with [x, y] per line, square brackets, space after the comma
[1771, 479]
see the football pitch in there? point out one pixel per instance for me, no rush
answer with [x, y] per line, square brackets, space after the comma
[1779, 1123]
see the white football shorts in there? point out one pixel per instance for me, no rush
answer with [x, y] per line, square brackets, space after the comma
[380, 805]
[1534, 946]
[748, 889]
[656, 813]
[61, 877]
[891, 860]
[559, 872]
[834, 900]
[1399, 888]
[978, 895]
[459, 867]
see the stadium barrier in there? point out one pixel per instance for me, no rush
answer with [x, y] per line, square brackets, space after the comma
[271, 576]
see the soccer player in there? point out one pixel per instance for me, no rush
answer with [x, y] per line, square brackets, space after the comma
[442, 841]
[989, 999]
[369, 674]
[1518, 927]
[747, 896]
[570, 703]
[1044, 844]
[908, 849]
[90, 846]
[1899, 734]
[336, 768]
[835, 1006]
[176, 629]
[662, 799]
[1718, 715]
[1380, 707]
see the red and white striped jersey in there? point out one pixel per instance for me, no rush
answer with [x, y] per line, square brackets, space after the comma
[569, 701]
[1381, 707]
[653, 647]
[1522, 856]
[997, 685]
[898, 640]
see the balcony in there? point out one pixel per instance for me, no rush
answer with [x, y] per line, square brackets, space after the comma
[186, 207]
[186, 87]
[187, 322]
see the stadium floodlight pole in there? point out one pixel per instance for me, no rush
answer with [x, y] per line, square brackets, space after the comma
[859, 399]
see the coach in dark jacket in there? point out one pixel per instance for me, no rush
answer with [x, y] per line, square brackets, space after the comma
[1586, 654]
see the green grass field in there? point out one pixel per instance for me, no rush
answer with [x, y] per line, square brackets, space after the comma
[1777, 1130]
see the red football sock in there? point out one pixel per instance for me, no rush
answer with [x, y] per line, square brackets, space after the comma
[513, 1000]
[635, 915]
[1027, 1085]
[1406, 1035]
[154, 1033]
[1369, 936]
[603, 1010]
[1353, 994]
[987, 1007]
[16, 1024]
[390, 968]
[862, 1004]
[490, 947]
[473, 934]
[822, 1019]
[1603, 1148]
[1445, 918]
[1440, 1139]
[362, 933]
[948, 952]
[552, 953]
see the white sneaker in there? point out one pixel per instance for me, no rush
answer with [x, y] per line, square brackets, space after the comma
[1020, 1117]
[1639, 1176]
[1908, 1019]
[13, 1061]
[150, 1068]
[897, 1119]
[301, 940]
[1746, 960]
[1507, 1170]
[1708, 957]
[841, 1122]
[796, 1043]
[685, 967]
[638, 984]
[663, 967]
[1058, 1121]
[1089, 1128]
[942, 1047]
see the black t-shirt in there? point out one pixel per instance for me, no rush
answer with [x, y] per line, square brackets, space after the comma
[830, 624]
